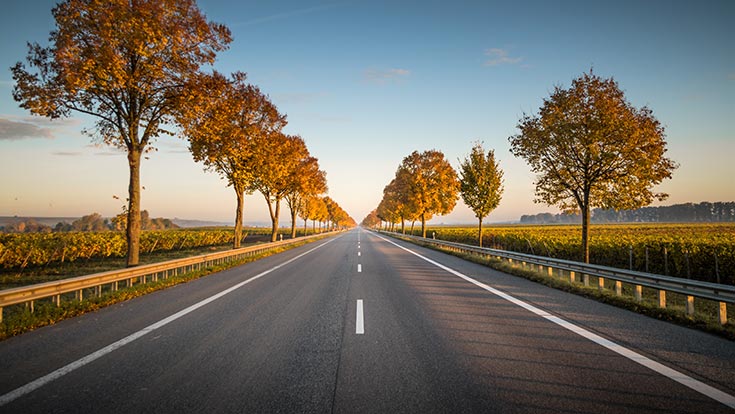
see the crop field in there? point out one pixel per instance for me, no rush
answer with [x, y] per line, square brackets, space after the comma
[697, 251]
[21, 250]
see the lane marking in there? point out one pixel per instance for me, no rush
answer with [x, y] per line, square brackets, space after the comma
[40, 382]
[359, 268]
[670, 373]
[360, 323]
[358, 254]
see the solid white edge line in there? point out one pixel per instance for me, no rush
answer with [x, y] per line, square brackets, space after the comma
[40, 382]
[359, 268]
[360, 322]
[677, 376]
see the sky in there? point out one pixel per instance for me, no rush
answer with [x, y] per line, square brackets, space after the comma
[365, 83]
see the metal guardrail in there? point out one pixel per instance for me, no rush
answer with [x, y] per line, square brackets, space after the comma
[152, 272]
[723, 294]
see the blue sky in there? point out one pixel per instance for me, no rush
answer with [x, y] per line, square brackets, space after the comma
[367, 82]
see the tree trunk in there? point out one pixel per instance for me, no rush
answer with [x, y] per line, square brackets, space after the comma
[274, 219]
[423, 225]
[403, 226]
[586, 227]
[238, 217]
[412, 223]
[133, 229]
[293, 223]
[305, 224]
[479, 233]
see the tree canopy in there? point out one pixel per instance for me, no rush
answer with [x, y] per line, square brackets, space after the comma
[591, 148]
[429, 183]
[481, 183]
[223, 119]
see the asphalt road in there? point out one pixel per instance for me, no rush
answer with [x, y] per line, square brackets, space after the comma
[357, 324]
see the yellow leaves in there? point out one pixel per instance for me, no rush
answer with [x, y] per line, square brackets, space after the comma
[588, 140]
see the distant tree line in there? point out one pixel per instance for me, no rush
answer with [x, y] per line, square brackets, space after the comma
[92, 222]
[704, 212]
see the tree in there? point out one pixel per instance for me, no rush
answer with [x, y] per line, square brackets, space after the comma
[124, 63]
[320, 212]
[278, 155]
[223, 119]
[591, 148]
[371, 220]
[305, 180]
[481, 184]
[430, 184]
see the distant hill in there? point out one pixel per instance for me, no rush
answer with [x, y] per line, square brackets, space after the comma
[198, 223]
[47, 221]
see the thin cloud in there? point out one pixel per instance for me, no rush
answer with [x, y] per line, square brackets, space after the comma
[17, 130]
[385, 76]
[66, 153]
[108, 153]
[286, 15]
[731, 76]
[497, 56]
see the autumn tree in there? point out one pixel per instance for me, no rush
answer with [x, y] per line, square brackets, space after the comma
[591, 148]
[331, 210]
[387, 211]
[430, 184]
[481, 183]
[278, 155]
[371, 220]
[125, 64]
[317, 211]
[305, 180]
[307, 209]
[223, 119]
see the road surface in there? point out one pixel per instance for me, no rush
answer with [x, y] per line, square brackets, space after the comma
[359, 323]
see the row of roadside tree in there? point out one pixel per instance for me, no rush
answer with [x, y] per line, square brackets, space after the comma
[588, 146]
[137, 69]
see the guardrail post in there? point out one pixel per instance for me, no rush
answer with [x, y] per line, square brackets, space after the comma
[572, 277]
[551, 271]
[600, 283]
[80, 294]
[57, 300]
[662, 299]
[618, 288]
[1, 314]
[586, 279]
[638, 293]
[33, 308]
[690, 305]
[722, 312]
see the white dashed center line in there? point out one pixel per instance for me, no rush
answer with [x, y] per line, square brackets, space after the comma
[360, 323]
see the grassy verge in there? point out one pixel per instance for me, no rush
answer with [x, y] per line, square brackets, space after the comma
[705, 316]
[18, 319]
